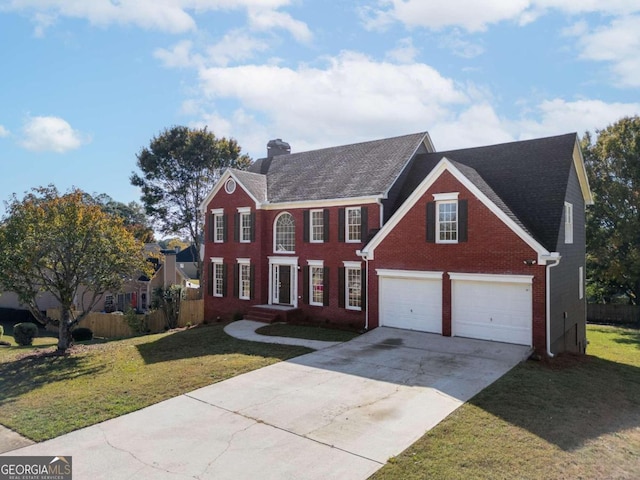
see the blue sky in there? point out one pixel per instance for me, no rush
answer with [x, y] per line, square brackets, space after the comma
[86, 84]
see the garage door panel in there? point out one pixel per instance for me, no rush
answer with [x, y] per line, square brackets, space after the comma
[499, 311]
[411, 303]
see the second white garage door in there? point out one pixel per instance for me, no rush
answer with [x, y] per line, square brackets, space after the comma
[492, 307]
[411, 300]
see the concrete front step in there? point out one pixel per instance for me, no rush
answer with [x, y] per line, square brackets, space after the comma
[271, 315]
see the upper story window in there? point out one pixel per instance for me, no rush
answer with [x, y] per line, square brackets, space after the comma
[284, 240]
[447, 224]
[447, 219]
[353, 224]
[316, 217]
[244, 225]
[230, 186]
[568, 223]
[218, 221]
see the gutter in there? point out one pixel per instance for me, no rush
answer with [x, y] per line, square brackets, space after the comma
[555, 258]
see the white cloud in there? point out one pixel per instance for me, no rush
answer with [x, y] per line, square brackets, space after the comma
[618, 44]
[474, 16]
[351, 96]
[459, 46]
[173, 16]
[269, 19]
[405, 51]
[53, 134]
[560, 116]
[235, 46]
[178, 56]
[3, 132]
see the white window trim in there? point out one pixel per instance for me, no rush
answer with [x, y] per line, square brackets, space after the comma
[348, 267]
[438, 197]
[230, 185]
[568, 223]
[580, 283]
[315, 264]
[243, 262]
[244, 212]
[346, 225]
[216, 261]
[275, 222]
[311, 212]
[447, 202]
[218, 222]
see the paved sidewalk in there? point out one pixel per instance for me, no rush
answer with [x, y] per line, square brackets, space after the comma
[246, 330]
[10, 440]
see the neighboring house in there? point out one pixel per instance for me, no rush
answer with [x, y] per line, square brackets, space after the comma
[484, 242]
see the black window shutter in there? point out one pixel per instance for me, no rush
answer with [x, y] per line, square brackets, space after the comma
[252, 282]
[364, 223]
[325, 286]
[224, 279]
[341, 225]
[236, 280]
[363, 288]
[225, 222]
[306, 227]
[236, 227]
[305, 284]
[431, 222]
[211, 229]
[341, 287]
[325, 225]
[463, 207]
[252, 222]
[210, 279]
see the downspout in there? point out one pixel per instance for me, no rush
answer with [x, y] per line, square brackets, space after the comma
[365, 257]
[556, 261]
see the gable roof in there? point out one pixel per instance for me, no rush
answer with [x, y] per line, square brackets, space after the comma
[527, 180]
[357, 170]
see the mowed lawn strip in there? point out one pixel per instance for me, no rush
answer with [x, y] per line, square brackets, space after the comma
[573, 417]
[306, 332]
[44, 397]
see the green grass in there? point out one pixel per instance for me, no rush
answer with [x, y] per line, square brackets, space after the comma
[306, 332]
[43, 397]
[573, 417]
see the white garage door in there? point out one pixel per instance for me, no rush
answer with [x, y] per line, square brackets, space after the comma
[492, 307]
[411, 300]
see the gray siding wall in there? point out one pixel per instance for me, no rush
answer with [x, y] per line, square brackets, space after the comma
[568, 310]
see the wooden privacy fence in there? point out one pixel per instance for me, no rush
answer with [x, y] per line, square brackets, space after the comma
[610, 313]
[110, 325]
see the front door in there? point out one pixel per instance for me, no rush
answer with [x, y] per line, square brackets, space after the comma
[282, 284]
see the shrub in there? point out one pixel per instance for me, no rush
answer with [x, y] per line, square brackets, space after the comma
[24, 333]
[137, 323]
[81, 334]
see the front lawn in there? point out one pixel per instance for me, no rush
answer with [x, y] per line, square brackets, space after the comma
[573, 417]
[306, 332]
[43, 397]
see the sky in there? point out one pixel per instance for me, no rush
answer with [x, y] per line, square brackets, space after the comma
[85, 85]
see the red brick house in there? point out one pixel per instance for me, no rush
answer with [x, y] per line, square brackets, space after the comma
[484, 242]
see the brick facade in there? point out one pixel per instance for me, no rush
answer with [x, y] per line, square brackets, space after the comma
[492, 248]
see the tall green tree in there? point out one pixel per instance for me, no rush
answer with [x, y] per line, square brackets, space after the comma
[613, 222]
[179, 169]
[133, 216]
[67, 245]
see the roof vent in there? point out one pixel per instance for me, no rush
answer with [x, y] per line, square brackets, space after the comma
[277, 147]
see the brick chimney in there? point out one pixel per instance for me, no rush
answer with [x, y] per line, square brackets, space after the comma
[277, 147]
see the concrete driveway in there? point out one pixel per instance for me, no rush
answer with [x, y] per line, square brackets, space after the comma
[335, 413]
